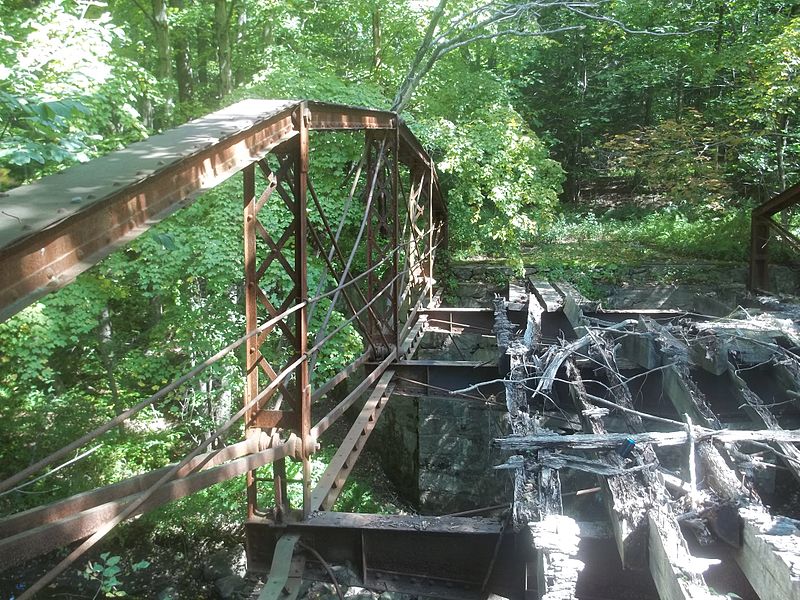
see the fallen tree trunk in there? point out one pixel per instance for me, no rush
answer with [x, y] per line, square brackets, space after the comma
[583, 441]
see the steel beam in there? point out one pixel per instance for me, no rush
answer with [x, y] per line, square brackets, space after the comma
[445, 557]
[41, 515]
[466, 320]
[34, 542]
[302, 381]
[776, 204]
[760, 223]
[439, 377]
[333, 117]
[333, 479]
[56, 228]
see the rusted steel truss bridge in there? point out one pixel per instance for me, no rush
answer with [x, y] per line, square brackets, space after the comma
[60, 226]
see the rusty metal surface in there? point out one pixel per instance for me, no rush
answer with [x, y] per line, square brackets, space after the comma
[332, 481]
[332, 117]
[56, 228]
[761, 223]
[466, 320]
[439, 377]
[45, 244]
[446, 557]
[32, 518]
[34, 542]
[785, 199]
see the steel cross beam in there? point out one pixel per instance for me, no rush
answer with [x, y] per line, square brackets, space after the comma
[40, 252]
[445, 557]
[290, 182]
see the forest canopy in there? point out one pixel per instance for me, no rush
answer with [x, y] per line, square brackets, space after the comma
[523, 105]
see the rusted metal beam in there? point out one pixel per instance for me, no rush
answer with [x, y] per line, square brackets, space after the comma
[302, 380]
[340, 377]
[34, 542]
[56, 228]
[444, 557]
[338, 410]
[759, 253]
[438, 377]
[41, 515]
[776, 204]
[332, 117]
[761, 221]
[333, 479]
[466, 320]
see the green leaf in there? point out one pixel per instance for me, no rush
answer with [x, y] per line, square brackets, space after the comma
[110, 562]
[142, 564]
[111, 571]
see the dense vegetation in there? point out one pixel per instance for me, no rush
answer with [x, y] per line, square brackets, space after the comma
[690, 105]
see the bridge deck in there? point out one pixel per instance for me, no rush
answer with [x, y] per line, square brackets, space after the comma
[55, 228]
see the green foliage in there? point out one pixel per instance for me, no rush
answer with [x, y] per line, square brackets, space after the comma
[590, 250]
[105, 573]
[681, 159]
[698, 118]
[65, 95]
[314, 78]
[502, 184]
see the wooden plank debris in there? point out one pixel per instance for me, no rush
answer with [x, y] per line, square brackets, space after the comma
[625, 496]
[760, 414]
[556, 539]
[678, 384]
[676, 573]
[332, 481]
[769, 555]
[537, 499]
[547, 296]
[592, 442]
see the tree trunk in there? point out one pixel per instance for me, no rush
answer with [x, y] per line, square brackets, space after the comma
[679, 95]
[241, 30]
[780, 152]
[164, 64]
[202, 65]
[722, 8]
[222, 31]
[183, 65]
[106, 353]
[146, 110]
[377, 60]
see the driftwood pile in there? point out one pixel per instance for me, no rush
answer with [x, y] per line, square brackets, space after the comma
[575, 406]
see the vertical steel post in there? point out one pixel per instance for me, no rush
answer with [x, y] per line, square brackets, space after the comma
[395, 214]
[251, 320]
[303, 384]
[372, 165]
[430, 237]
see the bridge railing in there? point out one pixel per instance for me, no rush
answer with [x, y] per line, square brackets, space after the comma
[381, 277]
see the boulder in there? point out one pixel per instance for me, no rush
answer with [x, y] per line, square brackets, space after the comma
[228, 586]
